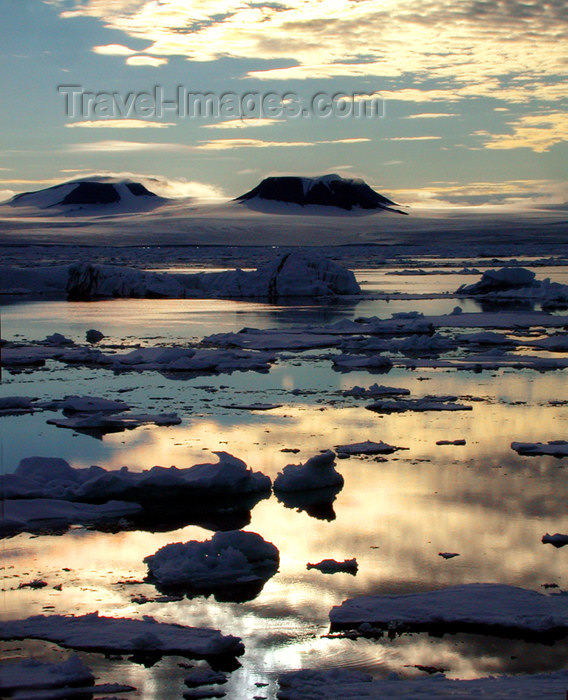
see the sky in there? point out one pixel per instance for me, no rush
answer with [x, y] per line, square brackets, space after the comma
[434, 103]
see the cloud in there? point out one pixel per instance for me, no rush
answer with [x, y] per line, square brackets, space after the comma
[480, 46]
[114, 50]
[512, 193]
[241, 123]
[431, 115]
[124, 146]
[140, 60]
[119, 124]
[222, 144]
[414, 138]
[539, 132]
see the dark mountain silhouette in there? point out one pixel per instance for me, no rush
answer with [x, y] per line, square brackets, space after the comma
[90, 194]
[327, 190]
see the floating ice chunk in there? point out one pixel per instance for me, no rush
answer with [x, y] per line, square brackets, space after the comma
[557, 539]
[498, 280]
[342, 683]
[122, 635]
[92, 404]
[374, 363]
[204, 676]
[13, 405]
[428, 403]
[228, 559]
[367, 448]
[376, 390]
[331, 566]
[57, 339]
[253, 406]
[52, 477]
[555, 448]
[301, 273]
[485, 338]
[317, 473]
[93, 336]
[32, 674]
[36, 514]
[477, 607]
[101, 423]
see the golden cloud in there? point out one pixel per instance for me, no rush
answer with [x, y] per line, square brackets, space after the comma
[539, 132]
[480, 46]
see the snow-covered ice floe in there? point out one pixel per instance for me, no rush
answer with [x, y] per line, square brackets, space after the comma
[41, 514]
[15, 405]
[317, 473]
[173, 361]
[517, 283]
[47, 490]
[101, 423]
[298, 274]
[231, 565]
[427, 403]
[366, 448]
[555, 448]
[331, 566]
[341, 683]
[52, 477]
[487, 608]
[375, 391]
[123, 635]
[372, 363]
[33, 675]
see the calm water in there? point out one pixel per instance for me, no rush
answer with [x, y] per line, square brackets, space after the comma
[481, 500]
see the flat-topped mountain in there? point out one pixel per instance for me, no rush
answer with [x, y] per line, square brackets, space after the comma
[91, 195]
[326, 190]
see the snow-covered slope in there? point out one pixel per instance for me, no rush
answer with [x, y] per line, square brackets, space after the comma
[325, 191]
[90, 196]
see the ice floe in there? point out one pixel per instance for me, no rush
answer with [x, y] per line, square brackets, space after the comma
[173, 361]
[96, 633]
[298, 274]
[517, 283]
[49, 514]
[92, 404]
[343, 683]
[555, 448]
[101, 423]
[373, 363]
[331, 566]
[366, 448]
[427, 403]
[557, 540]
[317, 473]
[488, 608]
[204, 676]
[43, 477]
[232, 565]
[376, 390]
[47, 492]
[33, 675]
[14, 405]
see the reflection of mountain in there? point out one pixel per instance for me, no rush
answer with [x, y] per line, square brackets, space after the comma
[91, 196]
[327, 190]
